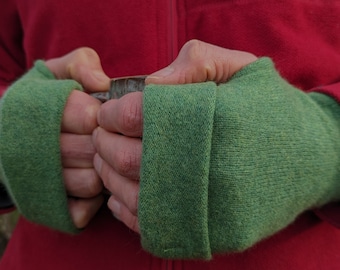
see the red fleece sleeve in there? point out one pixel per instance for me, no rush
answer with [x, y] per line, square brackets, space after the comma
[2, 90]
[12, 65]
[12, 59]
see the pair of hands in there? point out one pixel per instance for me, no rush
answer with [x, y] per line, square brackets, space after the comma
[101, 143]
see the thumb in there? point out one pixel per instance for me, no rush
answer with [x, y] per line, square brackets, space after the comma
[199, 62]
[82, 65]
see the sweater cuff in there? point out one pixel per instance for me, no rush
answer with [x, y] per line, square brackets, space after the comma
[178, 124]
[30, 119]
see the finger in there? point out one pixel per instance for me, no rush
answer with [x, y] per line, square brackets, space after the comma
[82, 183]
[82, 65]
[122, 153]
[83, 210]
[77, 151]
[80, 113]
[123, 115]
[124, 189]
[123, 214]
[199, 62]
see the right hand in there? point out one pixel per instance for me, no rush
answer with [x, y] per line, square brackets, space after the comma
[118, 139]
[199, 61]
[82, 183]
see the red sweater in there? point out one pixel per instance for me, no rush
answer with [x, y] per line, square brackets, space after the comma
[139, 37]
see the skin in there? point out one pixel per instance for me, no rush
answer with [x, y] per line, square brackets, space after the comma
[82, 183]
[101, 145]
[117, 139]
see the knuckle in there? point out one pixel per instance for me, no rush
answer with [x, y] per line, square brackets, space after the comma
[85, 53]
[131, 116]
[197, 55]
[89, 121]
[127, 162]
[195, 49]
[106, 114]
[80, 57]
[84, 114]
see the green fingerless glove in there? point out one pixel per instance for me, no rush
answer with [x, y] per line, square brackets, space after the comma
[30, 120]
[226, 166]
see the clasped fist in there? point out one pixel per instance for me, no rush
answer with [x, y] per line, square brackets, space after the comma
[119, 150]
[101, 143]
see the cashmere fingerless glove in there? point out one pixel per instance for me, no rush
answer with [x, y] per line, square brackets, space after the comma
[30, 121]
[225, 166]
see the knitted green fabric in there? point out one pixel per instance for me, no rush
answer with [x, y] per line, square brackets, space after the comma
[30, 119]
[226, 166]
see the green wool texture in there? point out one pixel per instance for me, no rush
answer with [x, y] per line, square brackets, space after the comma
[225, 166]
[30, 120]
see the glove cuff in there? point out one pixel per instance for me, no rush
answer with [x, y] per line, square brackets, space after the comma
[30, 117]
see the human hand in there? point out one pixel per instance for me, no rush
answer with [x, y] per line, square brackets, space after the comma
[118, 140]
[82, 183]
[119, 148]
[200, 62]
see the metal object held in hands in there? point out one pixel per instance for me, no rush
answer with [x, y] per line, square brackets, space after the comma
[122, 86]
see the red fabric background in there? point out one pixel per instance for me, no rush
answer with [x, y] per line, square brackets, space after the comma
[139, 37]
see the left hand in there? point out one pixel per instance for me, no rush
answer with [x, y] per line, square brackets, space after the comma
[117, 140]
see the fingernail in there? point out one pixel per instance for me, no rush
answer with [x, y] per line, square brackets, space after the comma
[115, 207]
[99, 75]
[94, 136]
[97, 163]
